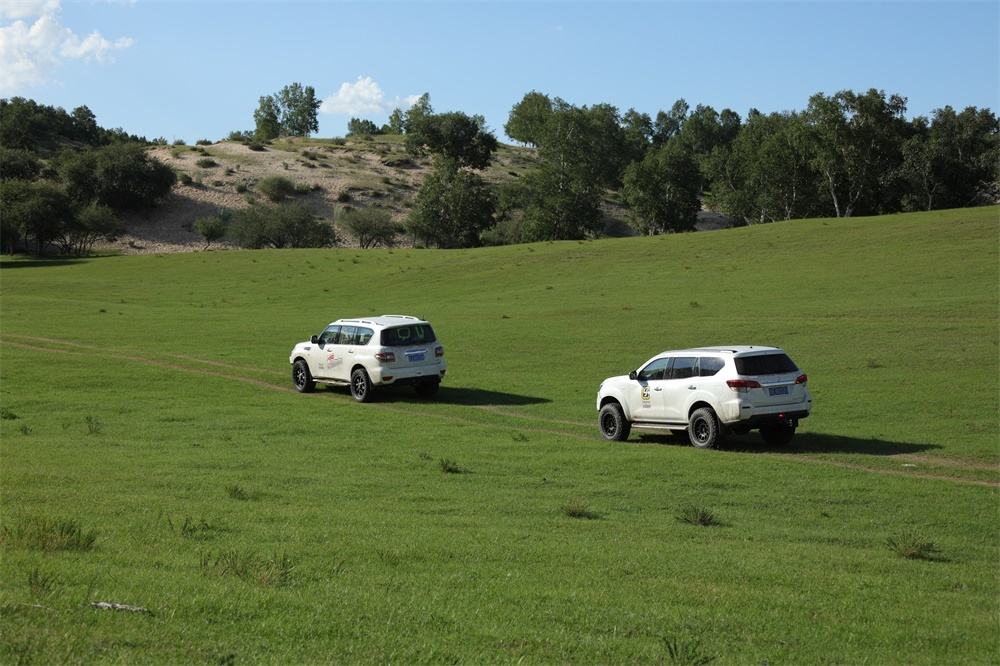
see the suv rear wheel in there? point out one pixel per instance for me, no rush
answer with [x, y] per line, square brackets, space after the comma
[614, 425]
[361, 385]
[704, 430]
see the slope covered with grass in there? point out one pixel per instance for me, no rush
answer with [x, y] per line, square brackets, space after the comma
[147, 402]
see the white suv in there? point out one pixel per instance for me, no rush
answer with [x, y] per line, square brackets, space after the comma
[370, 352]
[708, 391]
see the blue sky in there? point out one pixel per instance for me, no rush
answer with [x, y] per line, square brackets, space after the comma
[195, 69]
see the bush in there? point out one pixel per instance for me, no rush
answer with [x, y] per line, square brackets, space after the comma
[207, 163]
[212, 228]
[256, 145]
[453, 207]
[240, 136]
[371, 227]
[185, 179]
[241, 188]
[203, 142]
[276, 188]
[179, 142]
[284, 225]
[344, 197]
[120, 175]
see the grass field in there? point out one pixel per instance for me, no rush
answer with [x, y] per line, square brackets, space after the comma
[153, 454]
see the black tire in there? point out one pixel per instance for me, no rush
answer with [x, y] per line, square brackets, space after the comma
[704, 429]
[612, 423]
[779, 434]
[302, 379]
[428, 389]
[361, 385]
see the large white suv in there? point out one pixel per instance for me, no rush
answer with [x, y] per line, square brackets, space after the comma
[369, 352]
[708, 391]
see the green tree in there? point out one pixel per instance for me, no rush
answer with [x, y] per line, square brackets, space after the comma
[371, 227]
[414, 116]
[528, 117]
[298, 106]
[120, 175]
[267, 124]
[453, 207]
[90, 224]
[663, 190]
[18, 163]
[669, 123]
[213, 227]
[361, 127]
[35, 213]
[457, 137]
[397, 122]
[638, 129]
[284, 225]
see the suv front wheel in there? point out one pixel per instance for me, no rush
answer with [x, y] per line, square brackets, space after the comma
[301, 377]
[704, 429]
[614, 425]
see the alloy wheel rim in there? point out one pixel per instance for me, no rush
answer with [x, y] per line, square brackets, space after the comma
[608, 424]
[701, 431]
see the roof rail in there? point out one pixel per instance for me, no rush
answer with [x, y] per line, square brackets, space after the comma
[400, 316]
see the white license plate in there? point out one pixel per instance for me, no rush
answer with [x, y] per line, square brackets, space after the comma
[778, 390]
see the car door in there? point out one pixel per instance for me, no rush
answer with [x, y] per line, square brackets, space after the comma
[680, 383]
[322, 355]
[339, 361]
[645, 396]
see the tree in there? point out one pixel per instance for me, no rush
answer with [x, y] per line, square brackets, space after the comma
[298, 106]
[415, 114]
[284, 225]
[213, 227]
[89, 225]
[857, 146]
[361, 127]
[33, 212]
[267, 125]
[638, 128]
[371, 227]
[120, 175]
[663, 190]
[457, 137]
[669, 123]
[18, 163]
[528, 117]
[397, 122]
[453, 207]
[85, 125]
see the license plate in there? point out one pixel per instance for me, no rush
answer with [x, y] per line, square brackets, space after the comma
[412, 358]
[778, 390]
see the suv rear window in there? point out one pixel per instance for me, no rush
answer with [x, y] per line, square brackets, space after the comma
[765, 364]
[414, 334]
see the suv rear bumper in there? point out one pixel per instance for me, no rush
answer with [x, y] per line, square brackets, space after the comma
[758, 420]
[414, 375]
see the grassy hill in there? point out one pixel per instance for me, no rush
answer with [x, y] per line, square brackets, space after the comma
[147, 400]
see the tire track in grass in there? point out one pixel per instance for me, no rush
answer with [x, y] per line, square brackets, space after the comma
[84, 349]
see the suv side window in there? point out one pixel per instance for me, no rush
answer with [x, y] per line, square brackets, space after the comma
[683, 367]
[654, 369]
[362, 335]
[329, 336]
[710, 366]
[346, 336]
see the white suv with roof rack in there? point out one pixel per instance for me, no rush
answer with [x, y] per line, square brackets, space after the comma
[708, 391]
[369, 352]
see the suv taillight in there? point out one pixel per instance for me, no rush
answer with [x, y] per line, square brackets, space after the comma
[439, 351]
[801, 379]
[385, 357]
[742, 385]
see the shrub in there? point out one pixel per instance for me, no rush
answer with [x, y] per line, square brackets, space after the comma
[241, 188]
[338, 141]
[213, 227]
[276, 188]
[344, 197]
[451, 467]
[371, 227]
[309, 155]
[185, 179]
[284, 225]
[578, 509]
[180, 142]
[203, 142]
[207, 163]
[240, 136]
[256, 145]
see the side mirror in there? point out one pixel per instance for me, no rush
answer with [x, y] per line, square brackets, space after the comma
[633, 375]
[314, 339]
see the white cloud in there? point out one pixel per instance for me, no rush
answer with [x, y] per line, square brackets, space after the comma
[362, 98]
[31, 51]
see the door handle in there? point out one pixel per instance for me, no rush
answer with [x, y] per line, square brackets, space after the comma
[692, 387]
[657, 389]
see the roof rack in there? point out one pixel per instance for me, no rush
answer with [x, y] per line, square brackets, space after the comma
[395, 316]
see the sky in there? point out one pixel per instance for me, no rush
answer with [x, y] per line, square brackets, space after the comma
[195, 69]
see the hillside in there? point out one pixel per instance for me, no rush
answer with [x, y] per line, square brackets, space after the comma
[353, 172]
[146, 402]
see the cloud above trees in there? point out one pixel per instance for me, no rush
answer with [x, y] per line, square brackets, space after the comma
[362, 98]
[34, 43]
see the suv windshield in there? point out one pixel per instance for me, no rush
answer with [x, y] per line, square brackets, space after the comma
[766, 364]
[415, 334]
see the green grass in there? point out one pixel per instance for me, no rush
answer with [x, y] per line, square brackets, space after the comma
[261, 525]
